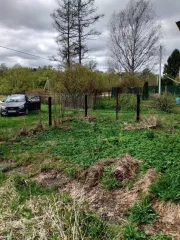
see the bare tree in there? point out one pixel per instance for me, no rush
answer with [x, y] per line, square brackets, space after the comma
[85, 17]
[63, 18]
[134, 36]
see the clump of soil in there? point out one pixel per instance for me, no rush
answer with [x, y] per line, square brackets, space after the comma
[112, 204]
[93, 174]
[25, 131]
[125, 168]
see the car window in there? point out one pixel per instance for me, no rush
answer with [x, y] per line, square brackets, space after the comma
[15, 99]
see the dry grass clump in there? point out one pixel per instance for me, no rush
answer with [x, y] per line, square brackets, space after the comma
[40, 217]
[25, 131]
[150, 122]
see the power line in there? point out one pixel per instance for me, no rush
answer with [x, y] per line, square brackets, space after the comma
[25, 53]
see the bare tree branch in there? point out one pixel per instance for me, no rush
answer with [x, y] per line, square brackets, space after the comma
[134, 36]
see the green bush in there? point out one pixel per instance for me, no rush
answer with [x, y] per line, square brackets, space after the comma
[164, 102]
[142, 212]
[145, 94]
[127, 101]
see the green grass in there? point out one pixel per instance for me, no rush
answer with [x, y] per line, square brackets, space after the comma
[85, 143]
[108, 181]
[132, 232]
[167, 187]
[2, 177]
[142, 212]
[27, 188]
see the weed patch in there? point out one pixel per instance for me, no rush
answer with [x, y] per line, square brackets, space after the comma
[108, 180]
[27, 188]
[142, 212]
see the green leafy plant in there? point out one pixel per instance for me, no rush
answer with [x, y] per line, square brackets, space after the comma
[150, 134]
[142, 212]
[131, 232]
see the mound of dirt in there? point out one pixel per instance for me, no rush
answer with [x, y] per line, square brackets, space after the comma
[93, 174]
[25, 131]
[147, 123]
[124, 168]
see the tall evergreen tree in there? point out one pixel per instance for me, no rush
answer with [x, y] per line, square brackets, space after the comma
[85, 17]
[63, 18]
[172, 67]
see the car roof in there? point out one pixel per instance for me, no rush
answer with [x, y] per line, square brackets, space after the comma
[16, 95]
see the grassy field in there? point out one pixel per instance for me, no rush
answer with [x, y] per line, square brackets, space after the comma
[71, 148]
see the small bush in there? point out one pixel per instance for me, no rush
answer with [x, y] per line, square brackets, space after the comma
[145, 93]
[164, 102]
[108, 180]
[142, 212]
[167, 186]
[127, 101]
[150, 134]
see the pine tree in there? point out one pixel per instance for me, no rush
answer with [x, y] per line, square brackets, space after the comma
[173, 64]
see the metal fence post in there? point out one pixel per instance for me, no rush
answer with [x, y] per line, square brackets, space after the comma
[138, 108]
[50, 110]
[86, 106]
[117, 103]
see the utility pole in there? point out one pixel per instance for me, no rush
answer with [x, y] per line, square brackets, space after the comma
[160, 63]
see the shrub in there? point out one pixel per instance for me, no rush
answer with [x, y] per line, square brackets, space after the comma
[127, 101]
[163, 102]
[142, 212]
[145, 94]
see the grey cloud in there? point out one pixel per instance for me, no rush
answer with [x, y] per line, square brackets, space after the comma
[33, 14]
[26, 25]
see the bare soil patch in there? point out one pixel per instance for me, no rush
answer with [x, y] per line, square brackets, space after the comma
[169, 221]
[112, 204]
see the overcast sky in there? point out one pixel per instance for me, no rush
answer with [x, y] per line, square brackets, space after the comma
[26, 25]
